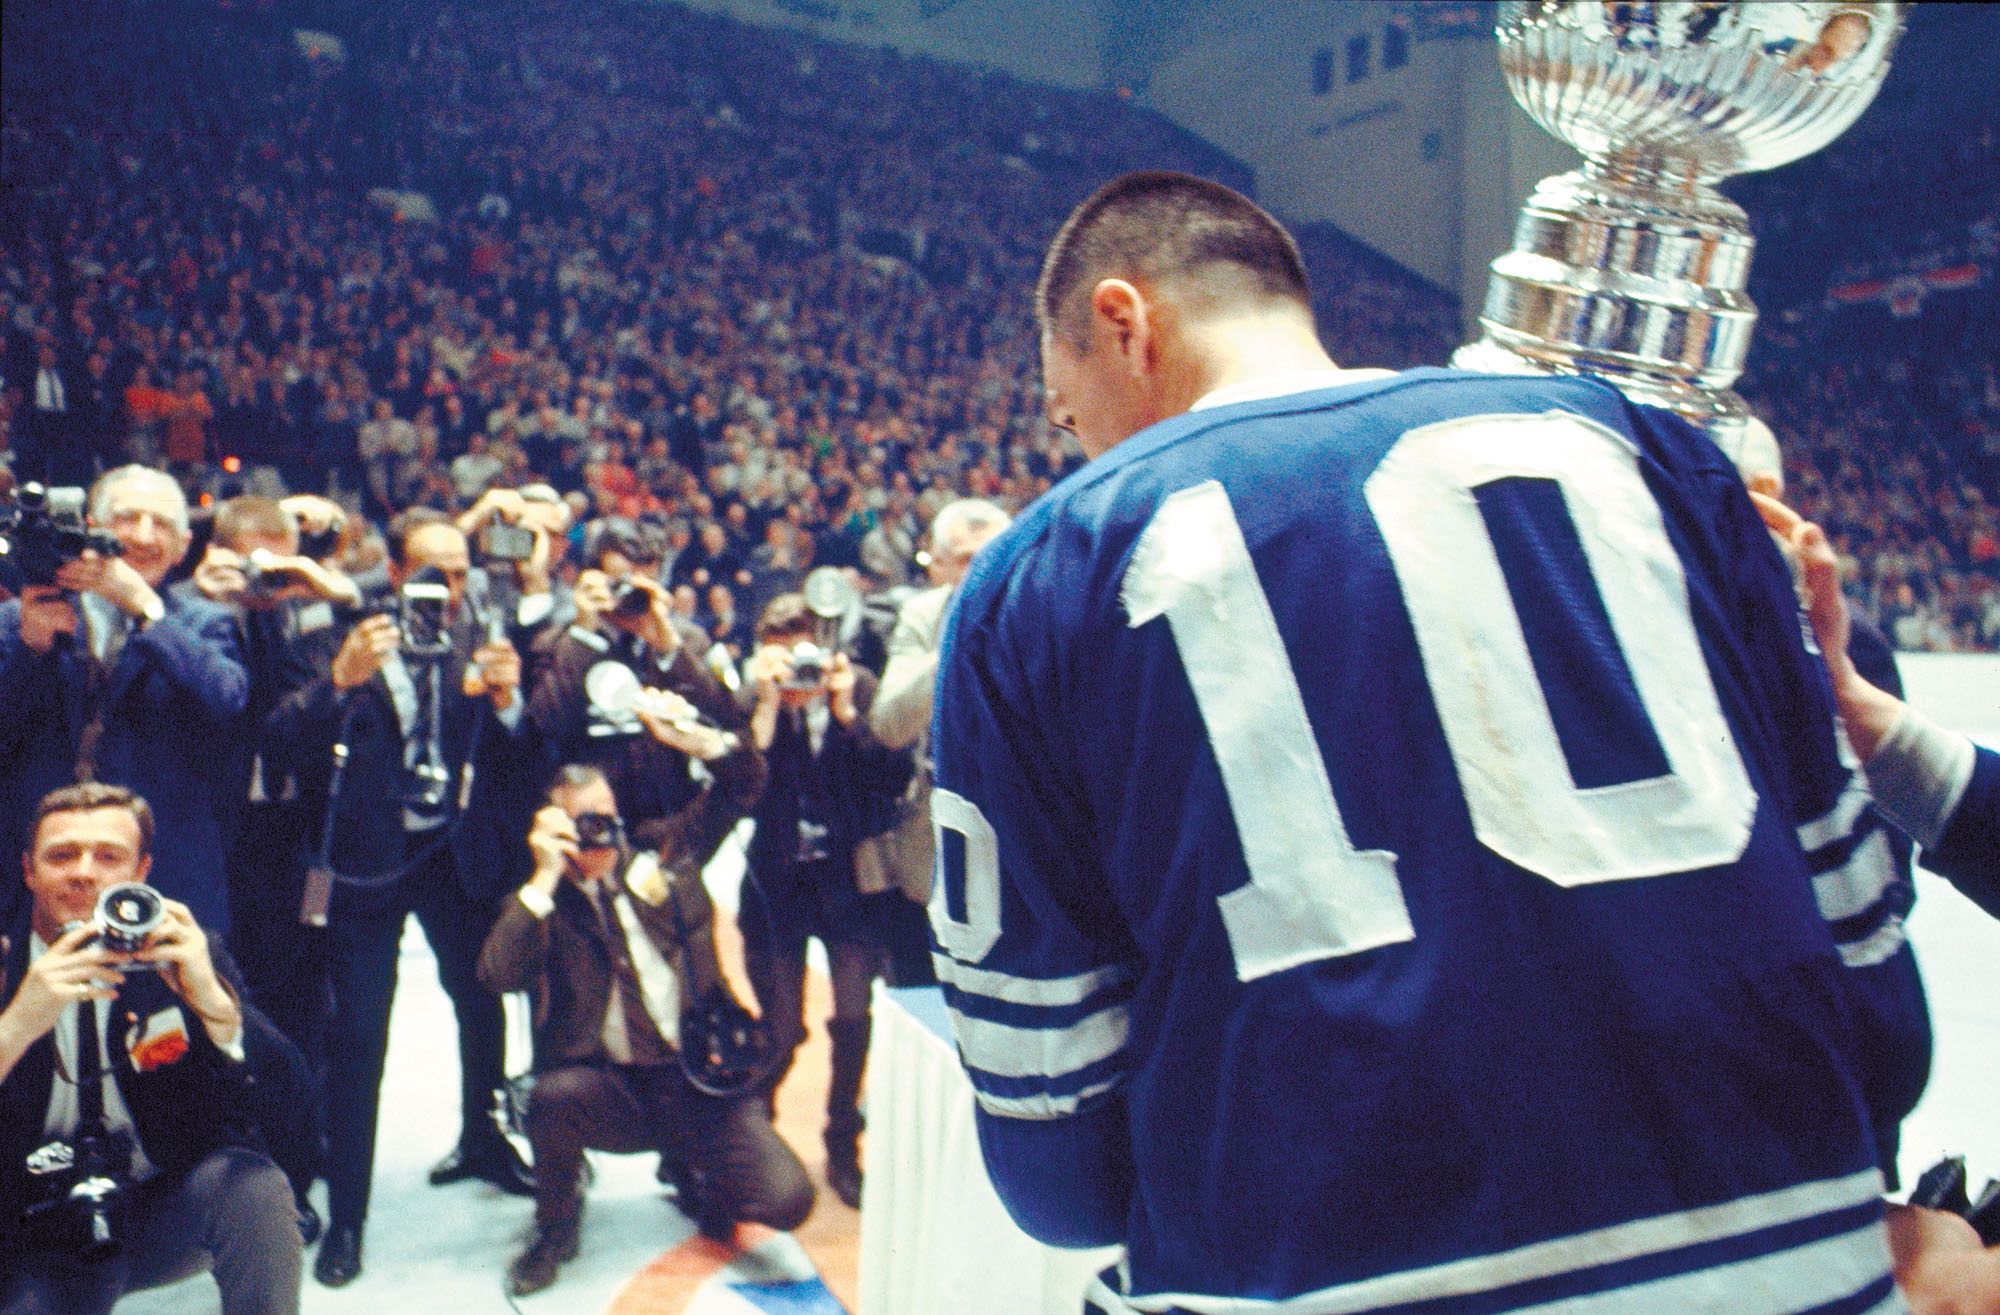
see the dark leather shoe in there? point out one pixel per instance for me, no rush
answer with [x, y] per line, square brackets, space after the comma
[493, 1160]
[310, 1225]
[535, 1268]
[339, 1261]
[843, 1170]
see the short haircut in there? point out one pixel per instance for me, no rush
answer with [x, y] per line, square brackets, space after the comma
[787, 614]
[89, 796]
[409, 522]
[131, 476]
[957, 519]
[239, 517]
[1155, 225]
[574, 776]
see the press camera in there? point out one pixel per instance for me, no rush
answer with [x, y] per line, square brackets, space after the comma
[81, 1181]
[43, 530]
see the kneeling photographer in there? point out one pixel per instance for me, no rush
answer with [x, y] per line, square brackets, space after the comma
[128, 1148]
[638, 1043]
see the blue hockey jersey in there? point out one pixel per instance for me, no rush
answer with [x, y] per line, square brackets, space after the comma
[1968, 853]
[1372, 868]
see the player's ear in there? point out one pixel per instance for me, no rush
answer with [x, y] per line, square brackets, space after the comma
[1119, 312]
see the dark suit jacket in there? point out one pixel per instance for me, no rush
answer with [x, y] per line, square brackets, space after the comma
[491, 857]
[184, 1111]
[650, 780]
[563, 961]
[175, 693]
[855, 775]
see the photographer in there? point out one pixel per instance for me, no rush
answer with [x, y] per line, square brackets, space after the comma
[285, 605]
[625, 623]
[275, 596]
[144, 1086]
[102, 678]
[438, 772]
[617, 950]
[831, 784]
[520, 537]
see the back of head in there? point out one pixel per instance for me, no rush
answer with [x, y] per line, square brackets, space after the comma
[240, 519]
[1158, 226]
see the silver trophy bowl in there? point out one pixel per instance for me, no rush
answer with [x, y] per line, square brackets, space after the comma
[1633, 267]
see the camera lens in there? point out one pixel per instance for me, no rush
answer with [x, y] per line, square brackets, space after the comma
[127, 914]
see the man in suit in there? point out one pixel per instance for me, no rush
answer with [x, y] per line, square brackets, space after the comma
[901, 718]
[644, 637]
[613, 947]
[832, 784]
[48, 427]
[150, 1066]
[104, 678]
[283, 606]
[426, 820]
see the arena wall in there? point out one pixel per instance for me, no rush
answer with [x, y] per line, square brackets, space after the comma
[1052, 41]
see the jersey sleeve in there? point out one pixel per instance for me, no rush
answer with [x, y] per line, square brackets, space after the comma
[1036, 974]
[1968, 853]
[1860, 871]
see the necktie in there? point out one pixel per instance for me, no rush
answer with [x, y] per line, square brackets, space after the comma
[89, 1067]
[642, 1039]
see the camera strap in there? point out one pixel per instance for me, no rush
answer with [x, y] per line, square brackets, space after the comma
[89, 1068]
[322, 875]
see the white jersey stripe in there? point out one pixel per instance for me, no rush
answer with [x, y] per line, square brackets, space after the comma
[1856, 885]
[1049, 992]
[1840, 820]
[1043, 1106]
[1845, 1264]
[1876, 947]
[1040, 1052]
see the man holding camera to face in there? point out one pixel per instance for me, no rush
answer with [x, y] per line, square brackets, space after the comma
[831, 784]
[618, 951]
[626, 638]
[128, 1151]
[420, 807]
[102, 677]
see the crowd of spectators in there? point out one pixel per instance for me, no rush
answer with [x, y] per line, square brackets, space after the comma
[681, 269]
[1888, 407]
[724, 277]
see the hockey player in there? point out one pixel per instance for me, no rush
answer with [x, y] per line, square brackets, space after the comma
[1370, 817]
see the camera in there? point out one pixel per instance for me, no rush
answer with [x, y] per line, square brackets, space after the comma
[126, 917]
[82, 1181]
[830, 597]
[809, 666]
[42, 530]
[599, 831]
[423, 607]
[629, 601]
[507, 543]
[263, 577]
[320, 544]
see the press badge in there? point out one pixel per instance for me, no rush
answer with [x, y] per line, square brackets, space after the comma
[161, 1040]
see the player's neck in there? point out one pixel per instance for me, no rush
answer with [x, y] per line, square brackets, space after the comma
[1245, 350]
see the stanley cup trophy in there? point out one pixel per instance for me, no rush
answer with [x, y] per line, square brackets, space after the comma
[1633, 267]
